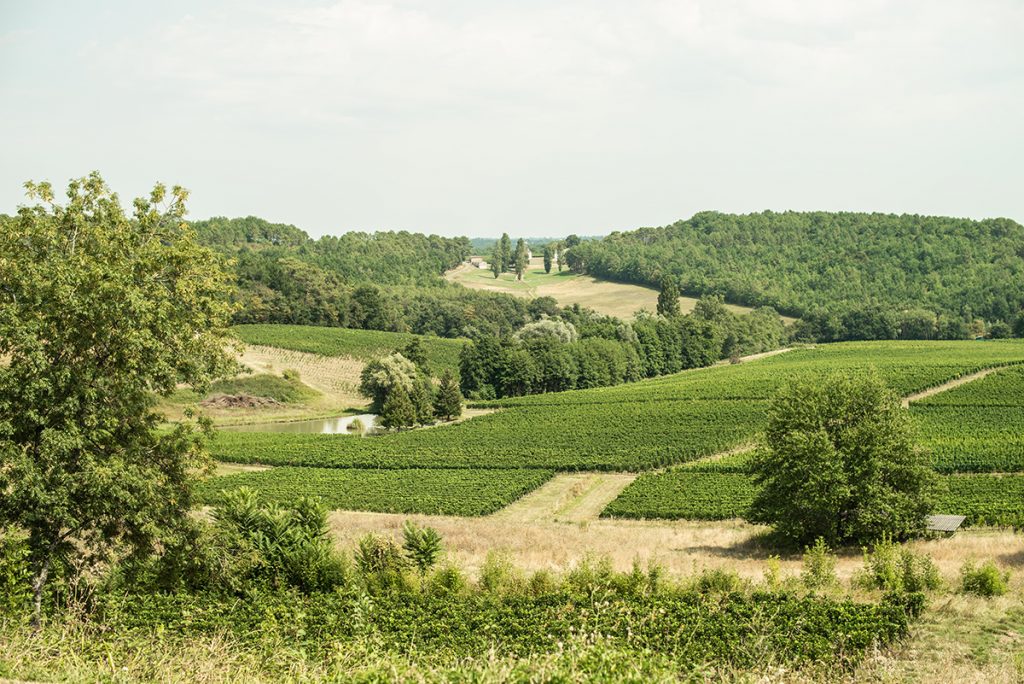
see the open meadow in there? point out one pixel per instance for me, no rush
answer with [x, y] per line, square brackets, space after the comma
[622, 300]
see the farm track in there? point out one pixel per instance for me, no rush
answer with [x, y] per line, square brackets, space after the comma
[567, 497]
[952, 384]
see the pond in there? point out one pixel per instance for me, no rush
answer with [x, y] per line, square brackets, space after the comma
[323, 426]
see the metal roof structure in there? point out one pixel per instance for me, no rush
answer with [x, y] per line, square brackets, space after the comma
[944, 523]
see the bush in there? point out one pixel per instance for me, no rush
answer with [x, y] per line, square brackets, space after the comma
[718, 581]
[987, 580]
[819, 566]
[894, 568]
[498, 575]
[422, 546]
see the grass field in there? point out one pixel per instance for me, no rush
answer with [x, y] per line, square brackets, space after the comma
[613, 299]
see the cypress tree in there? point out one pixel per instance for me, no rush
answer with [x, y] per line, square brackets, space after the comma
[668, 298]
[521, 259]
[398, 410]
[448, 400]
[547, 258]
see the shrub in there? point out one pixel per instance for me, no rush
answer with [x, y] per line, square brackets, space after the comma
[894, 568]
[498, 575]
[819, 570]
[718, 581]
[422, 546]
[447, 581]
[987, 580]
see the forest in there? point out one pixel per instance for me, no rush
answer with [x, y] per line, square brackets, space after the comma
[831, 267]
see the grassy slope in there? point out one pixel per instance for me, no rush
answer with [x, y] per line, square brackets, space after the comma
[361, 345]
[604, 296]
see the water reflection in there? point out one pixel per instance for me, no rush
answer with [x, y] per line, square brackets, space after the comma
[343, 425]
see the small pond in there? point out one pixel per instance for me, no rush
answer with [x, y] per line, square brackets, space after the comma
[321, 426]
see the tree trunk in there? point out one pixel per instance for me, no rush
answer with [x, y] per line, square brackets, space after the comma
[38, 584]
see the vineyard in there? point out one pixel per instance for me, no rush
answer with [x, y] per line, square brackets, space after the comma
[442, 492]
[671, 422]
[363, 345]
[977, 427]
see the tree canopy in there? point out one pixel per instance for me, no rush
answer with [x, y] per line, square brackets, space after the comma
[839, 463]
[100, 311]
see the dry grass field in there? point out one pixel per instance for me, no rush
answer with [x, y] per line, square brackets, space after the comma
[613, 299]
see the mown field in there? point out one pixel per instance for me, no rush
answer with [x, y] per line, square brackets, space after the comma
[973, 433]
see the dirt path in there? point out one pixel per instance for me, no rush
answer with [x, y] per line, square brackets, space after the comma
[946, 386]
[567, 497]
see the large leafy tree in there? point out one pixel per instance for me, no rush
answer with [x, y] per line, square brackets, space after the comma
[100, 311]
[840, 463]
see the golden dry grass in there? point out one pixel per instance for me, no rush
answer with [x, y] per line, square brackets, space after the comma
[614, 299]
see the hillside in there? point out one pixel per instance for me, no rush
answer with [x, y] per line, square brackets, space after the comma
[799, 262]
[622, 300]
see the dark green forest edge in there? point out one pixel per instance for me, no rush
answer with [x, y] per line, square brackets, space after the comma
[847, 275]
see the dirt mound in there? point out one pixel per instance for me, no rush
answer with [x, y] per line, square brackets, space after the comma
[239, 401]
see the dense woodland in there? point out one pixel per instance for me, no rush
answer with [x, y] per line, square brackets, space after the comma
[850, 275]
[376, 281]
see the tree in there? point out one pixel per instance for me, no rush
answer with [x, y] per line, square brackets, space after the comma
[559, 251]
[99, 313]
[522, 259]
[422, 397]
[548, 256]
[398, 410]
[381, 377]
[496, 268]
[839, 463]
[1000, 330]
[415, 352]
[1018, 326]
[505, 251]
[448, 400]
[668, 298]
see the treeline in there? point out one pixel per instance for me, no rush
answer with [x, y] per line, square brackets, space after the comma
[373, 281]
[833, 268]
[578, 349]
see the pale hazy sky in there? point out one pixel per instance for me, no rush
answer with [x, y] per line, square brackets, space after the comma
[540, 117]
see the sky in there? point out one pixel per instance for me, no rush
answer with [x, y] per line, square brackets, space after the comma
[537, 117]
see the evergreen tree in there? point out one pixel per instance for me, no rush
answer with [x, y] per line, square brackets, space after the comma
[505, 251]
[398, 411]
[559, 251]
[496, 261]
[423, 399]
[547, 258]
[668, 298]
[522, 259]
[414, 352]
[448, 400]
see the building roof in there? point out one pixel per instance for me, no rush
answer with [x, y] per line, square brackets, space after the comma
[944, 523]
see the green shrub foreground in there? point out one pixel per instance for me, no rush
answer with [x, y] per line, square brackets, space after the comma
[259, 592]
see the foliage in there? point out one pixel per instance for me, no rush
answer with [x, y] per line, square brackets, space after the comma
[987, 580]
[83, 467]
[422, 546]
[465, 492]
[292, 545]
[382, 379]
[15, 571]
[286, 388]
[398, 410]
[894, 568]
[819, 571]
[827, 264]
[547, 328]
[448, 400]
[840, 464]
[984, 499]
[668, 298]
